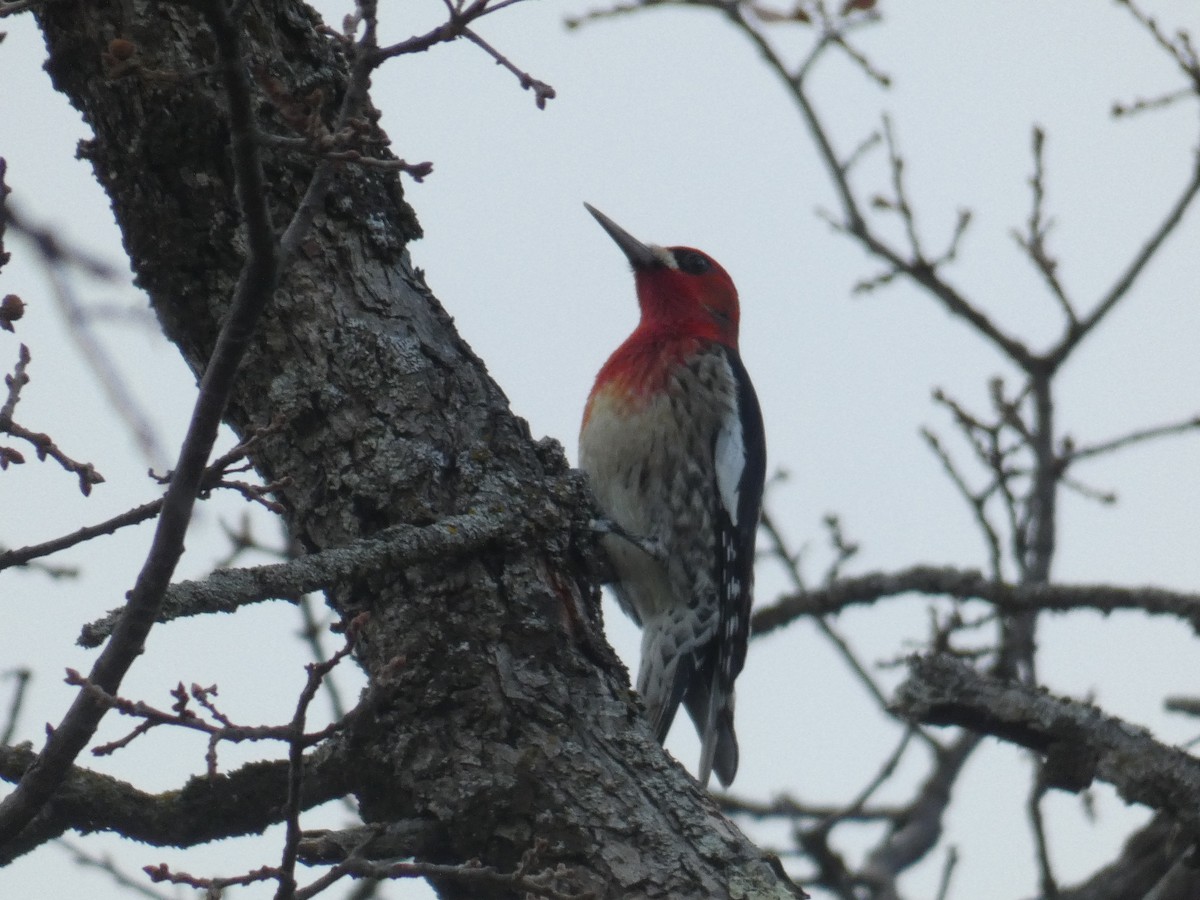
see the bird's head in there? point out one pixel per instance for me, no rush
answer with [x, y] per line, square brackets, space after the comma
[680, 290]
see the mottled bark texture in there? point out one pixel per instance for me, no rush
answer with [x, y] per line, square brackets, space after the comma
[497, 716]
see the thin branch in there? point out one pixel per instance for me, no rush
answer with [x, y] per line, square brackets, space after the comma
[221, 728]
[1077, 332]
[109, 866]
[977, 501]
[901, 203]
[542, 92]
[21, 677]
[42, 444]
[331, 148]
[1074, 454]
[779, 548]
[107, 375]
[15, 382]
[527, 879]
[457, 26]
[835, 34]
[947, 873]
[855, 222]
[919, 831]
[886, 771]
[1186, 705]
[1181, 51]
[23, 555]
[1033, 242]
[1088, 492]
[398, 839]
[212, 478]
[785, 807]
[311, 633]
[229, 589]
[53, 249]
[971, 585]
[255, 287]
[1037, 822]
[1147, 104]
[317, 673]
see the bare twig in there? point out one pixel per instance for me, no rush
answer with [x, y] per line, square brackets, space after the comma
[1187, 705]
[779, 549]
[854, 221]
[23, 555]
[1180, 50]
[1073, 454]
[108, 376]
[212, 478]
[918, 832]
[461, 16]
[5, 256]
[785, 807]
[54, 250]
[109, 865]
[947, 873]
[218, 730]
[317, 672]
[1037, 823]
[312, 633]
[977, 500]
[255, 287]
[900, 202]
[526, 879]
[1033, 241]
[333, 152]
[1076, 332]
[42, 444]
[542, 92]
[1146, 104]
[886, 771]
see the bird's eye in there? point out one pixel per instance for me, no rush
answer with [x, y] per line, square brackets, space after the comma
[691, 262]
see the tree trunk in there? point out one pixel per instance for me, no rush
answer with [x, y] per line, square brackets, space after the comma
[498, 716]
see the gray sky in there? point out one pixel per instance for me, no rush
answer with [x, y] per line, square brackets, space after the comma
[668, 123]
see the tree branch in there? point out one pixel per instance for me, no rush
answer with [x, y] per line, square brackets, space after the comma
[1079, 741]
[226, 590]
[206, 808]
[967, 584]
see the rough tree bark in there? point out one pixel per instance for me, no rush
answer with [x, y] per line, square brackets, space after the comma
[497, 715]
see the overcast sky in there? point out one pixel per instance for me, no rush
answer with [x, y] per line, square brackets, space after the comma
[669, 124]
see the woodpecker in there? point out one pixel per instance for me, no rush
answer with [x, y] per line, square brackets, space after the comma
[672, 442]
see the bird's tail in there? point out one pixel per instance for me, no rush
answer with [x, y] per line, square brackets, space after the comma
[711, 709]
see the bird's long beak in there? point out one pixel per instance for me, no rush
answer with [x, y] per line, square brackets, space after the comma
[640, 255]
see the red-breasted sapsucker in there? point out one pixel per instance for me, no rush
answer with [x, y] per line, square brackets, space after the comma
[672, 442]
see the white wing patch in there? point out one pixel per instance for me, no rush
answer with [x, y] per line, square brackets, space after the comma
[730, 462]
